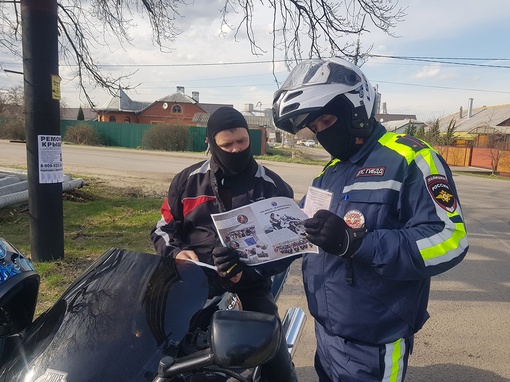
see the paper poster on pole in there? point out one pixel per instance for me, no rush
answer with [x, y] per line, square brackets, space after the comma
[50, 159]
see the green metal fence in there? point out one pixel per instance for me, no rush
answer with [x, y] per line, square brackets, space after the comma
[131, 134]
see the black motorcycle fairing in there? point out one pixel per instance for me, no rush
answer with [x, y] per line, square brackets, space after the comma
[114, 323]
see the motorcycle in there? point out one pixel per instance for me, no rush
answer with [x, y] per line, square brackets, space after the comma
[133, 316]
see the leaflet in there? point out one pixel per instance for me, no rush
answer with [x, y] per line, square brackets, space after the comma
[316, 199]
[264, 231]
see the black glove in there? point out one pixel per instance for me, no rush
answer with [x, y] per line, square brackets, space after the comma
[330, 232]
[227, 261]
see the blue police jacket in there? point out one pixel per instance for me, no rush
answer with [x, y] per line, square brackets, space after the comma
[404, 191]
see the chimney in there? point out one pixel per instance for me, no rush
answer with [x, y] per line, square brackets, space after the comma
[195, 96]
[180, 89]
[460, 112]
[384, 109]
[470, 107]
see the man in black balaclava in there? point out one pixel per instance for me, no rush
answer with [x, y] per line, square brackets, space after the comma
[230, 179]
[338, 139]
[235, 160]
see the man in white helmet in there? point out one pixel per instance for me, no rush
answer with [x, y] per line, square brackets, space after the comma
[394, 222]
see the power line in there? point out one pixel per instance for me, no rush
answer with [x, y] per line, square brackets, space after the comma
[192, 64]
[431, 59]
[441, 87]
[439, 60]
[443, 60]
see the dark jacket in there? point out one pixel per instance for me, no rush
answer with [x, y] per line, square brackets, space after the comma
[406, 194]
[194, 195]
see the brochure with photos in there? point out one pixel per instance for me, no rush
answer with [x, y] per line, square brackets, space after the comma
[267, 230]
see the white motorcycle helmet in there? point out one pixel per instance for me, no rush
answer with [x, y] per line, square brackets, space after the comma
[316, 84]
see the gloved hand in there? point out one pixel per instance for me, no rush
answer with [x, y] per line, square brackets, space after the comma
[227, 262]
[330, 232]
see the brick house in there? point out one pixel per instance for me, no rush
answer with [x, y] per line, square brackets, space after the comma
[174, 109]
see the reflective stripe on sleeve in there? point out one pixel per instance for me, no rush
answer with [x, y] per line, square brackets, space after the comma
[452, 240]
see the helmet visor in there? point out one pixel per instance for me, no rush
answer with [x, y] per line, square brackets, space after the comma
[318, 71]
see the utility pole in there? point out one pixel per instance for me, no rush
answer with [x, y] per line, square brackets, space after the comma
[42, 122]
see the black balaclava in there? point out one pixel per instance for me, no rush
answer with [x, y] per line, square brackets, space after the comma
[337, 139]
[231, 164]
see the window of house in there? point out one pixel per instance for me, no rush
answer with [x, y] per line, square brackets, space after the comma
[112, 118]
[176, 109]
[127, 120]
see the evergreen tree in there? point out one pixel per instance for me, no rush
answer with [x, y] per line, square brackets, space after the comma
[81, 116]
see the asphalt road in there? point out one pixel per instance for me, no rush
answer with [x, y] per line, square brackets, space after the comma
[467, 337]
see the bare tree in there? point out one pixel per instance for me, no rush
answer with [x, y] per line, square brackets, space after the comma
[316, 28]
[12, 117]
[12, 104]
[300, 28]
[494, 141]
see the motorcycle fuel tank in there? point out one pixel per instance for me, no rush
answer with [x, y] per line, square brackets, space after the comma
[114, 323]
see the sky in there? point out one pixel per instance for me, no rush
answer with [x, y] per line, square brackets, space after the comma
[424, 81]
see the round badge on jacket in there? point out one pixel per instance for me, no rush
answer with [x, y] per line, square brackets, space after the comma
[354, 219]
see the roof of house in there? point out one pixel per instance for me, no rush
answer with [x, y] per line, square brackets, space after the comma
[212, 107]
[252, 120]
[177, 97]
[488, 118]
[122, 102]
[258, 120]
[71, 113]
[401, 125]
[201, 119]
[387, 117]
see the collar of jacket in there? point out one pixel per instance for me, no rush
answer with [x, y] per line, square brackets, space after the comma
[378, 131]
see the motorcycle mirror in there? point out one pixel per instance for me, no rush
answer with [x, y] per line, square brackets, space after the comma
[239, 339]
[243, 339]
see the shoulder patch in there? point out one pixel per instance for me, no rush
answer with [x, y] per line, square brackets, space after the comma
[441, 192]
[412, 142]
